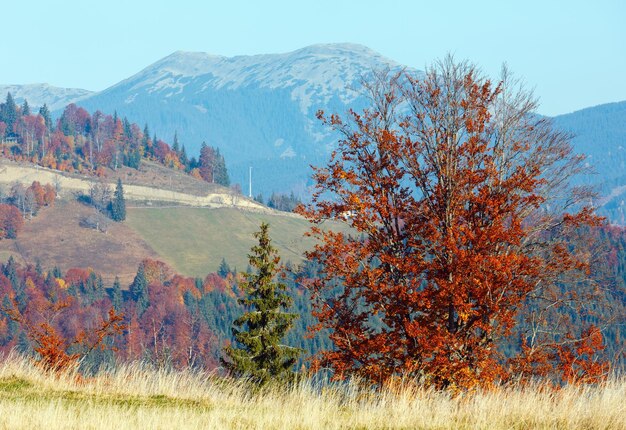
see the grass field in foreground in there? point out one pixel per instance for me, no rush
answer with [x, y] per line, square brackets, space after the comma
[194, 240]
[136, 398]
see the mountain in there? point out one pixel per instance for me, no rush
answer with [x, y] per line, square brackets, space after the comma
[259, 110]
[599, 132]
[39, 94]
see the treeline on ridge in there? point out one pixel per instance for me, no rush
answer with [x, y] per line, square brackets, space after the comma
[87, 144]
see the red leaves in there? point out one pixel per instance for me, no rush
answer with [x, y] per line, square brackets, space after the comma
[577, 360]
[451, 238]
[11, 221]
[39, 320]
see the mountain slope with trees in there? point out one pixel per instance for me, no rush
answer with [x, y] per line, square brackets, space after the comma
[259, 111]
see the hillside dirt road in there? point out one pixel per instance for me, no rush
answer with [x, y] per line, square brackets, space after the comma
[11, 172]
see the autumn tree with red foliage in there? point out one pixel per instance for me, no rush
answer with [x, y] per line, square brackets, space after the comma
[40, 320]
[460, 200]
[11, 221]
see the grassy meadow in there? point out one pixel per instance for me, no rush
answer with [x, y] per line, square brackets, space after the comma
[135, 397]
[194, 240]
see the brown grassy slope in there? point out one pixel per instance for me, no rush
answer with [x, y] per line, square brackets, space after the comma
[154, 175]
[55, 238]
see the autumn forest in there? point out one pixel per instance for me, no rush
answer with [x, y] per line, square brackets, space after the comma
[469, 259]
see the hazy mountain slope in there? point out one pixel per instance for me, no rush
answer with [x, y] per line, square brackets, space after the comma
[39, 94]
[259, 110]
[600, 133]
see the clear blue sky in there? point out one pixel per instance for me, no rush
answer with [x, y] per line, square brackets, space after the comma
[572, 52]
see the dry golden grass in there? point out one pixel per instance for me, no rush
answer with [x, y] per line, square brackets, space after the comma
[134, 397]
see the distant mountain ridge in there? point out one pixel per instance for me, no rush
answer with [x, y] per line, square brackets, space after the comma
[315, 72]
[599, 132]
[39, 94]
[260, 111]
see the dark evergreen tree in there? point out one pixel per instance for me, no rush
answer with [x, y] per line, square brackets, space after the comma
[38, 268]
[139, 291]
[183, 157]
[118, 204]
[25, 108]
[45, 113]
[10, 271]
[8, 114]
[221, 173]
[224, 268]
[175, 145]
[92, 289]
[128, 132]
[145, 142]
[133, 159]
[257, 352]
[117, 299]
[206, 162]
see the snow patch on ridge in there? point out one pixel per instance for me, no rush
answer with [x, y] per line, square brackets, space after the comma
[288, 153]
[130, 98]
[313, 74]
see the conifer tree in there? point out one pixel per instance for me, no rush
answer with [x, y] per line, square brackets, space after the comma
[139, 290]
[183, 157]
[116, 295]
[257, 352]
[224, 268]
[176, 146]
[45, 113]
[145, 141]
[221, 173]
[8, 113]
[118, 204]
[25, 108]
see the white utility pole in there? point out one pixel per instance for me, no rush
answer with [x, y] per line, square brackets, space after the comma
[250, 183]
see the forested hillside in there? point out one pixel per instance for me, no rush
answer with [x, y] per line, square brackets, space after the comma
[90, 144]
[170, 319]
[599, 132]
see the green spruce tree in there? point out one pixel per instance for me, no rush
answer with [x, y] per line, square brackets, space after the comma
[139, 291]
[176, 146]
[183, 157]
[257, 353]
[9, 114]
[25, 108]
[118, 204]
[221, 173]
[145, 141]
[117, 299]
[45, 113]
[224, 269]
